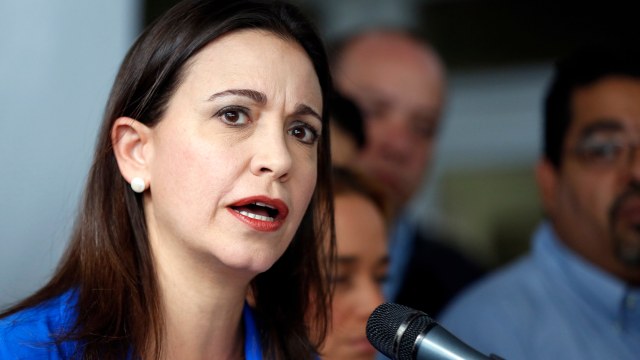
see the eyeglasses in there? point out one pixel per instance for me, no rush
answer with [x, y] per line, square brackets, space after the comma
[607, 152]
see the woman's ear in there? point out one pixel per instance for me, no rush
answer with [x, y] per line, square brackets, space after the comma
[130, 139]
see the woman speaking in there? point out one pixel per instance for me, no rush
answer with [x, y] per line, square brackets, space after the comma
[201, 231]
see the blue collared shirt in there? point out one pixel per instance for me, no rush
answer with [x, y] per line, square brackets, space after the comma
[551, 304]
[28, 333]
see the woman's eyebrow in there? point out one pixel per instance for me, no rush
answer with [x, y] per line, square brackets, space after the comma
[347, 259]
[261, 98]
[254, 95]
[303, 109]
[384, 261]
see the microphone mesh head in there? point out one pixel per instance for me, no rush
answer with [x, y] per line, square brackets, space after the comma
[408, 339]
[383, 325]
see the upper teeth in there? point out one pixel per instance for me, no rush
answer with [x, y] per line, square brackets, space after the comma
[263, 204]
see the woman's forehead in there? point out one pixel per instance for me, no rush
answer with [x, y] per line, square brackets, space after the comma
[256, 59]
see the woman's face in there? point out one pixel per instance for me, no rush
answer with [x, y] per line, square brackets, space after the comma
[234, 158]
[362, 267]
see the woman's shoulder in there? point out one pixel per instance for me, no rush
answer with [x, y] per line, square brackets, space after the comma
[32, 332]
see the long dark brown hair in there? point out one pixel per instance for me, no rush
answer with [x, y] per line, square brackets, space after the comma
[108, 264]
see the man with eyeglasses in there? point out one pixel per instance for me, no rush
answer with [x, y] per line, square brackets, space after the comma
[575, 295]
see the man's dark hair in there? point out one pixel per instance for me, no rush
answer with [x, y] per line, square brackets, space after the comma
[587, 64]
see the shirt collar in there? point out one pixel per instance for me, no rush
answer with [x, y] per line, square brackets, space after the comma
[605, 292]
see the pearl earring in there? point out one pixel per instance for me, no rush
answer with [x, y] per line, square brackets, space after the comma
[138, 185]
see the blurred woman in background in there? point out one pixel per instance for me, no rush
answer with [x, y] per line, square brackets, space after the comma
[361, 241]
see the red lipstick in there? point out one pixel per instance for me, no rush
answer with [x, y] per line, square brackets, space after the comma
[260, 212]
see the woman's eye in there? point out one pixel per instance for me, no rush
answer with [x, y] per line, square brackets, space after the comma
[381, 279]
[340, 279]
[305, 133]
[233, 116]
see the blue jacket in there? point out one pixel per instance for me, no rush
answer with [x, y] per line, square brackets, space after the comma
[30, 334]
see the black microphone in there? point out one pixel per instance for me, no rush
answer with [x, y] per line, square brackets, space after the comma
[402, 333]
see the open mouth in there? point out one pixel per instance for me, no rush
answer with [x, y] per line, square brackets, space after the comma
[258, 210]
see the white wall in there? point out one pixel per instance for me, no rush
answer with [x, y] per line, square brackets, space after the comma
[491, 135]
[58, 60]
[493, 118]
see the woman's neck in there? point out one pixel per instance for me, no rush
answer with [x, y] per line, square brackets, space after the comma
[202, 310]
[193, 333]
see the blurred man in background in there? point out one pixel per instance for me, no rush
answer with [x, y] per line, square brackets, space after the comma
[575, 295]
[399, 83]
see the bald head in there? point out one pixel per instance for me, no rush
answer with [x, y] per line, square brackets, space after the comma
[399, 82]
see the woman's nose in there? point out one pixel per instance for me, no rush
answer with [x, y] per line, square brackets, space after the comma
[271, 154]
